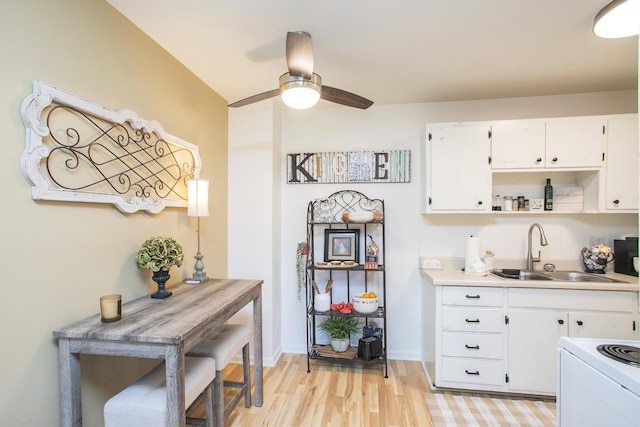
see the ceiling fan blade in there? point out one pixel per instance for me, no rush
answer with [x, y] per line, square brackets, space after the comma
[255, 98]
[299, 54]
[343, 97]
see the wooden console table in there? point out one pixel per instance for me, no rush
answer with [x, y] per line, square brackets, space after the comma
[158, 329]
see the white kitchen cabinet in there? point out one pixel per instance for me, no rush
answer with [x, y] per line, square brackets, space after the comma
[537, 318]
[467, 163]
[518, 145]
[458, 170]
[576, 142]
[621, 182]
[470, 338]
[505, 340]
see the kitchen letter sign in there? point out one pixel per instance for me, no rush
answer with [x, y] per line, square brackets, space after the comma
[349, 167]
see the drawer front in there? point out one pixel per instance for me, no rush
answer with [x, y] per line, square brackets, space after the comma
[472, 319]
[570, 299]
[473, 371]
[473, 296]
[473, 345]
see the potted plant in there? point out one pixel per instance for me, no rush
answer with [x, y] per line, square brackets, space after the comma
[159, 254]
[339, 328]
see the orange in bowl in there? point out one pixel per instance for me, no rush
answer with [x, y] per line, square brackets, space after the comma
[365, 304]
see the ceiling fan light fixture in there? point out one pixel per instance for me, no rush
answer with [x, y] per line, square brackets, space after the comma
[298, 92]
[619, 18]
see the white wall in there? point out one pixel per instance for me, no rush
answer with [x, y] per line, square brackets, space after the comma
[409, 234]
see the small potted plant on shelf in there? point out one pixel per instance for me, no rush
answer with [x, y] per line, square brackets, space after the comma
[339, 329]
[159, 254]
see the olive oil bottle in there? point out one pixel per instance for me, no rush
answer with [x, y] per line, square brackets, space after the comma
[548, 196]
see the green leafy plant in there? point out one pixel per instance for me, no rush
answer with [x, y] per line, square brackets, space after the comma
[340, 327]
[159, 253]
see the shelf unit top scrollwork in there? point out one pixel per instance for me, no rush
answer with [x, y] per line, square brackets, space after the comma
[78, 151]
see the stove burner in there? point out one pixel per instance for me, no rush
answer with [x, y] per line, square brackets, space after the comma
[622, 353]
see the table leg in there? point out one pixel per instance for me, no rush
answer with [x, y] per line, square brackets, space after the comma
[174, 365]
[257, 347]
[70, 396]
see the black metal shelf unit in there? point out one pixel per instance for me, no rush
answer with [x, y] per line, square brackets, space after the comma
[329, 214]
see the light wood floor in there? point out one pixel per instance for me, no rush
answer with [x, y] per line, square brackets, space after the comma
[335, 395]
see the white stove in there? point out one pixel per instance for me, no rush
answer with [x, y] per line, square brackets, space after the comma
[595, 389]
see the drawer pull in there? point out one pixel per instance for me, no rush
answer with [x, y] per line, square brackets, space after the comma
[472, 296]
[468, 372]
[472, 320]
[472, 347]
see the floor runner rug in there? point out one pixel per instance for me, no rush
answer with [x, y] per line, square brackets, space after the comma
[467, 410]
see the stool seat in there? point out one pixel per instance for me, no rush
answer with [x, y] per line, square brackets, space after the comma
[144, 403]
[222, 345]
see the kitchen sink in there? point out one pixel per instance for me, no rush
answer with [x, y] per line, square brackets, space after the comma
[579, 276]
[520, 274]
[563, 276]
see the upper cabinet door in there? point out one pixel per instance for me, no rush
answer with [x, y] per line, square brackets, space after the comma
[518, 145]
[621, 186]
[576, 142]
[460, 174]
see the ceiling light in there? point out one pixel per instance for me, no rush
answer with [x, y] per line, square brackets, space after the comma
[620, 18]
[299, 92]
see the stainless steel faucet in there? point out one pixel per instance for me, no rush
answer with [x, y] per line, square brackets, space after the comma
[543, 241]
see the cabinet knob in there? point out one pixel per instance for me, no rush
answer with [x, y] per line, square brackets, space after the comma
[616, 201]
[555, 159]
[539, 159]
[560, 321]
[579, 322]
[479, 202]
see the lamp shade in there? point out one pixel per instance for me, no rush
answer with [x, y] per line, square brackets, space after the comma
[298, 92]
[198, 197]
[619, 18]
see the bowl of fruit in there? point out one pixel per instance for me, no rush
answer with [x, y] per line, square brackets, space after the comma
[365, 303]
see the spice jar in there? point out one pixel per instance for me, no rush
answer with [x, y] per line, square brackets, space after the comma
[508, 203]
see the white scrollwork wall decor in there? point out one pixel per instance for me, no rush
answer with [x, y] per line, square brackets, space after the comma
[78, 151]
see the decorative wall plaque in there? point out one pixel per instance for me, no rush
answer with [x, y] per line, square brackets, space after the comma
[349, 167]
[78, 151]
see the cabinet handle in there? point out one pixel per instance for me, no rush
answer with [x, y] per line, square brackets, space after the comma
[579, 322]
[472, 296]
[616, 201]
[472, 320]
[555, 159]
[560, 321]
[472, 347]
[480, 202]
[539, 159]
[468, 372]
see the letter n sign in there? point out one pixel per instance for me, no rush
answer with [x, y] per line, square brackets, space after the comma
[349, 166]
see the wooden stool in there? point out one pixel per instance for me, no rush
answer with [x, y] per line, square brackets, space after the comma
[144, 403]
[222, 346]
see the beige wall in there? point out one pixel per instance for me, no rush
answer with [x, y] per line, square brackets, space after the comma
[58, 258]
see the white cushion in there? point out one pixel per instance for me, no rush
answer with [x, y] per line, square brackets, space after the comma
[224, 344]
[144, 403]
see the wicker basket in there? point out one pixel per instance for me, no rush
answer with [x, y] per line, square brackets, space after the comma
[595, 262]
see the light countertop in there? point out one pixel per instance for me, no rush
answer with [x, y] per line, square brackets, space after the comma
[456, 277]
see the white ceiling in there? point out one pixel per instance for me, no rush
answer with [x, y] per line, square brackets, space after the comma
[395, 52]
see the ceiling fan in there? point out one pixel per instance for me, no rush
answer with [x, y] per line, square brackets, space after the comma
[300, 87]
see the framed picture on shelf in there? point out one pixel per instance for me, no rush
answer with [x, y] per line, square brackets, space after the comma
[341, 245]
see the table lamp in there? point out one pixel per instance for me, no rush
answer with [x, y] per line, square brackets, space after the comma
[198, 205]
